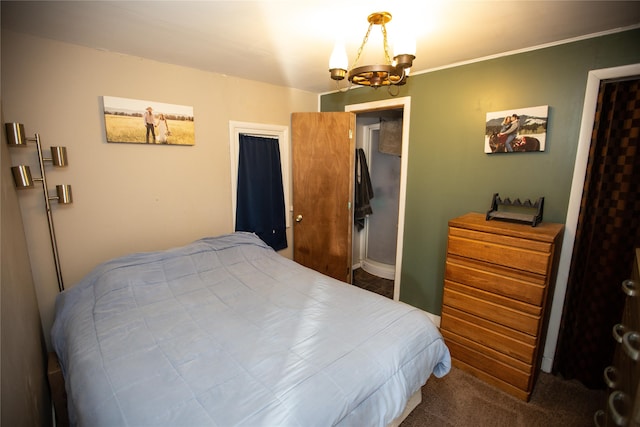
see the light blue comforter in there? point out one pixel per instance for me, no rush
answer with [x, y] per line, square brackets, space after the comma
[226, 332]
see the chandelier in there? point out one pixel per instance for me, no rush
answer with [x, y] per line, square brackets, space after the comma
[389, 74]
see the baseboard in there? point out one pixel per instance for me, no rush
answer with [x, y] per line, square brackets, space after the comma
[435, 319]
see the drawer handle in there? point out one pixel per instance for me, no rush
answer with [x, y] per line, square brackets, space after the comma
[630, 287]
[618, 399]
[618, 332]
[631, 345]
[599, 418]
[611, 376]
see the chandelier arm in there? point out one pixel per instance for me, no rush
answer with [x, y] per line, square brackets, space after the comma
[393, 92]
[403, 76]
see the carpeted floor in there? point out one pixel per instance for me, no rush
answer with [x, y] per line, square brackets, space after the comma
[459, 399]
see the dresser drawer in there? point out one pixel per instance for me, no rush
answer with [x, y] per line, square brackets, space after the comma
[493, 363]
[500, 250]
[489, 334]
[522, 286]
[481, 305]
[516, 364]
[523, 394]
[497, 281]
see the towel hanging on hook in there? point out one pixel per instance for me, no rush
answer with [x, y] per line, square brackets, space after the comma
[364, 190]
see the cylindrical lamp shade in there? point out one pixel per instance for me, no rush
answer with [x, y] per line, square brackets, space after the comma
[22, 176]
[59, 156]
[15, 134]
[64, 194]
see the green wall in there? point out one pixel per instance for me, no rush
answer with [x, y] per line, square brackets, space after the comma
[448, 172]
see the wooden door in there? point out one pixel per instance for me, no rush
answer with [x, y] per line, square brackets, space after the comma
[323, 147]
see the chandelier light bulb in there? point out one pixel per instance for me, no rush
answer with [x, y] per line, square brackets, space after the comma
[339, 57]
[404, 45]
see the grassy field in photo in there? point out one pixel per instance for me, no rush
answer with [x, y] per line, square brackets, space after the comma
[132, 130]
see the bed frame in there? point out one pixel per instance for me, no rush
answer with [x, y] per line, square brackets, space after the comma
[58, 392]
[413, 402]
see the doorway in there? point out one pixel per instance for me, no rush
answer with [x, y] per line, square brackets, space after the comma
[368, 118]
[607, 233]
[375, 240]
[584, 141]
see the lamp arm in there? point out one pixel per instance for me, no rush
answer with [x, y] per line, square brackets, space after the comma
[52, 231]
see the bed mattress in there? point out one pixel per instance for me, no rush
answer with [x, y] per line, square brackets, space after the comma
[224, 331]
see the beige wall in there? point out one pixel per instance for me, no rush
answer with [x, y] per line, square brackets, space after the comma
[25, 396]
[127, 197]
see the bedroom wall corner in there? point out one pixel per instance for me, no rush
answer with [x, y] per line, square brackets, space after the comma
[127, 197]
[448, 172]
[24, 393]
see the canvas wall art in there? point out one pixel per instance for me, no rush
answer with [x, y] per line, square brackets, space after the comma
[516, 130]
[137, 121]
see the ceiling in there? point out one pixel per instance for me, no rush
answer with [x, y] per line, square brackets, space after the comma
[288, 43]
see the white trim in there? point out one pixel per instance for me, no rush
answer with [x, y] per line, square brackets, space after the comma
[527, 49]
[363, 236]
[500, 55]
[577, 185]
[434, 318]
[405, 104]
[259, 129]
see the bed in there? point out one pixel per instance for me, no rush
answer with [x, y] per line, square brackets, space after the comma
[224, 331]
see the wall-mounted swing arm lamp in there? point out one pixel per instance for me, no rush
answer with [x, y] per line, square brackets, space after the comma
[16, 137]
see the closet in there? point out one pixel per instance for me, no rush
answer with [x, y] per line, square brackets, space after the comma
[323, 169]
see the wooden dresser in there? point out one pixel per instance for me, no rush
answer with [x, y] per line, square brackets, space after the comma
[497, 286]
[622, 407]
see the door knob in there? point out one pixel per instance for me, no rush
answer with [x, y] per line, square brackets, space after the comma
[299, 218]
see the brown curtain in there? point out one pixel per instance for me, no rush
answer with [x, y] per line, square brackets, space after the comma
[607, 232]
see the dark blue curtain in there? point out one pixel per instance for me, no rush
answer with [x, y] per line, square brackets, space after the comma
[260, 196]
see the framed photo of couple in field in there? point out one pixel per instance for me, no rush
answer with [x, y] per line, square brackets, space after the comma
[517, 130]
[136, 121]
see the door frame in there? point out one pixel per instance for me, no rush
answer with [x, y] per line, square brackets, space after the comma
[575, 198]
[366, 264]
[362, 236]
[281, 133]
[405, 104]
